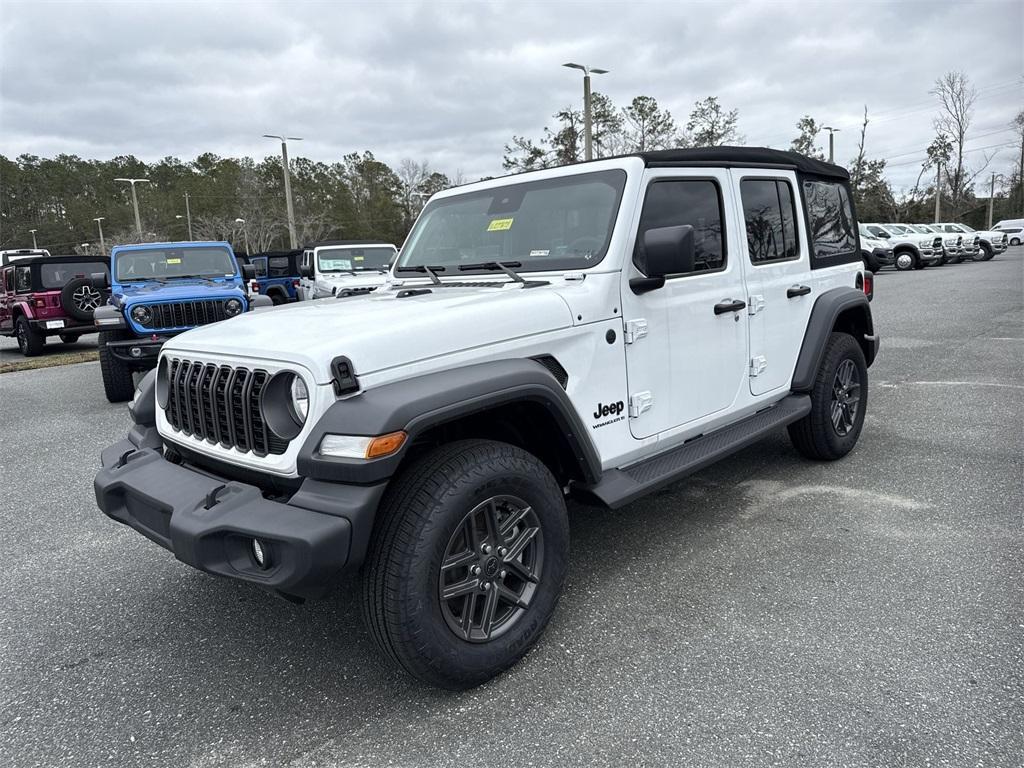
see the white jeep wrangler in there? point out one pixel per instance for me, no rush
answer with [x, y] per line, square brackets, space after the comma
[598, 330]
[344, 268]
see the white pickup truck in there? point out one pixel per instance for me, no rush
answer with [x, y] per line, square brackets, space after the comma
[990, 242]
[912, 249]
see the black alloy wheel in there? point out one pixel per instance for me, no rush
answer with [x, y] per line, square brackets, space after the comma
[845, 397]
[491, 568]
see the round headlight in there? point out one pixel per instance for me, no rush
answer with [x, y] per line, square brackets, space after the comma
[300, 399]
[232, 307]
[141, 314]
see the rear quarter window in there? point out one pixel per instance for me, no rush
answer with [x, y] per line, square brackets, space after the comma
[830, 222]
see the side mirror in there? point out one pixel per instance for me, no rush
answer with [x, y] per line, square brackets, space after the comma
[668, 251]
[248, 271]
[305, 270]
[99, 281]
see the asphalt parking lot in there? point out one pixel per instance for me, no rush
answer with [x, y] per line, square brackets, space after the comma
[768, 611]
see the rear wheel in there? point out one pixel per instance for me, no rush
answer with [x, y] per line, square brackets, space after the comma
[467, 562]
[1015, 241]
[839, 400]
[118, 384]
[30, 341]
[905, 261]
[69, 338]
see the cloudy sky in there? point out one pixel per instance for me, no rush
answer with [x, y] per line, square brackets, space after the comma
[452, 82]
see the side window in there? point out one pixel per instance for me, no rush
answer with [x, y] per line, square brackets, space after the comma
[771, 220]
[830, 219]
[5, 276]
[696, 202]
[23, 279]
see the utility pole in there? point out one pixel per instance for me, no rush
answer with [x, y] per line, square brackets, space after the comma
[103, 245]
[135, 201]
[831, 141]
[938, 190]
[588, 135]
[287, 184]
[188, 217]
[34, 246]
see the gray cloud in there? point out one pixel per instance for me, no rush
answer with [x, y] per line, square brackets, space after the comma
[452, 82]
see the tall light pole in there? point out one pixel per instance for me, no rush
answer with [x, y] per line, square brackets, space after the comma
[287, 184]
[99, 224]
[34, 246]
[245, 233]
[588, 137]
[188, 217]
[831, 141]
[938, 190]
[135, 200]
[992, 195]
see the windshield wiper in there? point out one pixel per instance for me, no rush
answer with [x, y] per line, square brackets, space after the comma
[495, 266]
[431, 271]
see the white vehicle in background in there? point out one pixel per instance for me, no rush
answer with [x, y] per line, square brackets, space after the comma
[344, 268]
[953, 247]
[911, 250]
[877, 253]
[990, 243]
[1013, 229]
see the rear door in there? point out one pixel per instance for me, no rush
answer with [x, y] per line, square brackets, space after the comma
[775, 257]
[685, 359]
[6, 289]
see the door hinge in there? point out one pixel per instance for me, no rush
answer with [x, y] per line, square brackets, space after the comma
[639, 403]
[755, 304]
[757, 365]
[633, 330]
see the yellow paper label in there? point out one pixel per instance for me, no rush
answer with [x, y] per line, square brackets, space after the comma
[499, 225]
[174, 261]
[357, 258]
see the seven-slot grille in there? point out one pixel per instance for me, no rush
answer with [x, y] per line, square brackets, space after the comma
[184, 314]
[220, 404]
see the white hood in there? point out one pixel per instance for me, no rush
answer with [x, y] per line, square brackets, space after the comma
[380, 330]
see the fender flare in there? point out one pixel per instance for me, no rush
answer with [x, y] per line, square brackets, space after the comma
[422, 402]
[826, 312]
[22, 308]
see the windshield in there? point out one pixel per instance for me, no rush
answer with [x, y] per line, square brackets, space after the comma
[170, 263]
[964, 228]
[878, 232]
[58, 274]
[373, 258]
[553, 224]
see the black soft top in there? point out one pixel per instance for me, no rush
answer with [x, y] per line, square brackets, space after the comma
[744, 157]
[270, 254]
[29, 261]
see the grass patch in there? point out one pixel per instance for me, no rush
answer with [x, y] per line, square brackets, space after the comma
[49, 361]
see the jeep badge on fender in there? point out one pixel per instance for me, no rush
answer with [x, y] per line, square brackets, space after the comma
[426, 434]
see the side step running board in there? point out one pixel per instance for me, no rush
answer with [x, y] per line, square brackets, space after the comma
[618, 487]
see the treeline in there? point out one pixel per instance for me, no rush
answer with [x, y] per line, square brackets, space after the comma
[61, 197]
[950, 168]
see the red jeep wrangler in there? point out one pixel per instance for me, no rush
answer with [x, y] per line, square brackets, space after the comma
[45, 295]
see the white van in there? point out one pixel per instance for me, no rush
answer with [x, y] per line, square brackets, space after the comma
[344, 268]
[1014, 229]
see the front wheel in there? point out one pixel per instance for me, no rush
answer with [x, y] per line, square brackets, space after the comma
[839, 399]
[904, 261]
[985, 253]
[467, 562]
[118, 384]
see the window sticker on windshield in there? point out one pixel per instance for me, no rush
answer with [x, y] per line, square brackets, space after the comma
[357, 258]
[499, 225]
[544, 252]
[174, 261]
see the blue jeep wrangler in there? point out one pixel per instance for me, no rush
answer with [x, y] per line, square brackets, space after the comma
[277, 275]
[158, 290]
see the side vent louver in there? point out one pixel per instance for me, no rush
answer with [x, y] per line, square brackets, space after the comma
[554, 368]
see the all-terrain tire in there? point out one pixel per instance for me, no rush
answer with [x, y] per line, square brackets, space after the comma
[817, 435]
[30, 341]
[118, 384]
[422, 512]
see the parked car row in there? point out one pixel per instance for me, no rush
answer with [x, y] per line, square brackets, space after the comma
[147, 293]
[916, 246]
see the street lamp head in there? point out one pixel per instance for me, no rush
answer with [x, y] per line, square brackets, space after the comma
[571, 65]
[99, 218]
[281, 138]
[596, 71]
[33, 231]
[237, 221]
[830, 128]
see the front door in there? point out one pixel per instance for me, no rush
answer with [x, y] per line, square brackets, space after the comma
[776, 259]
[6, 290]
[687, 341]
[307, 284]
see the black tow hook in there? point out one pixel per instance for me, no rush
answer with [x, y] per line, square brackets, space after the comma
[124, 458]
[211, 497]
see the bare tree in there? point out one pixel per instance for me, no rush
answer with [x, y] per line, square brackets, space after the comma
[858, 163]
[956, 104]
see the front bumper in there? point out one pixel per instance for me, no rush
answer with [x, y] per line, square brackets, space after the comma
[139, 352]
[209, 522]
[883, 256]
